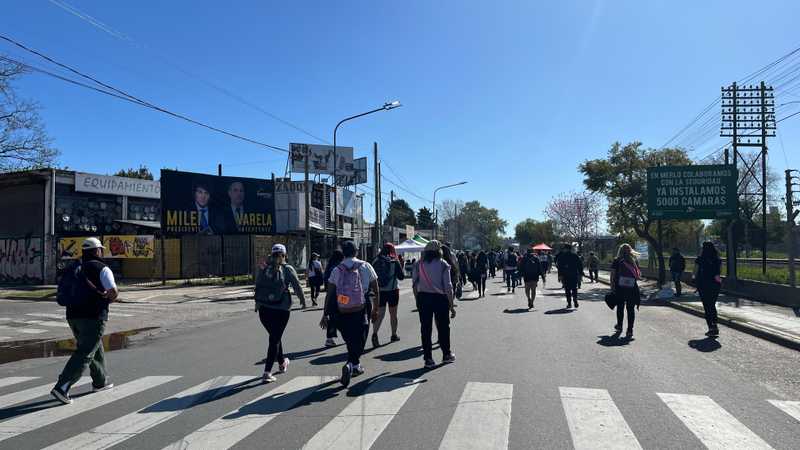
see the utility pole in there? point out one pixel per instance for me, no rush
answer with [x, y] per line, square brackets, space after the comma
[749, 109]
[378, 227]
[307, 197]
[791, 215]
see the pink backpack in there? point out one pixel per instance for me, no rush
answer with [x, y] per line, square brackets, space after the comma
[350, 296]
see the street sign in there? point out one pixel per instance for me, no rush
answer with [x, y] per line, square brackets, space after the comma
[692, 192]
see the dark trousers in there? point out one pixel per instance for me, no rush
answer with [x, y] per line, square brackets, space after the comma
[593, 275]
[274, 321]
[627, 302]
[676, 278]
[434, 307]
[354, 329]
[572, 295]
[88, 351]
[463, 276]
[330, 333]
[491, 270]
[482, 283]
[709, 297]
[511, 279]
[315, 286]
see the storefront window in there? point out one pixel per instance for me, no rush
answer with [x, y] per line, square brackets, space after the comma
[78, 213]
[144, 209]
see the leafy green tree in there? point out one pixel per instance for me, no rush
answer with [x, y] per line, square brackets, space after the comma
[400, 214]
[484, 223]
[142, 173]
[622, 178]
[531, 231]
[424, 218]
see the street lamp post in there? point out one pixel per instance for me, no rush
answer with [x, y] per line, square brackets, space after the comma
[435, 213]
[386, 107]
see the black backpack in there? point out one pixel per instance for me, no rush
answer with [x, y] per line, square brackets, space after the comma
[383, 268]
[511, 260]
[531, 267]
[73, 287]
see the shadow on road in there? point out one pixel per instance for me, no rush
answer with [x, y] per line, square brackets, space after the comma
[303, 354]
[402, 355]
[613, 340]
[706, 345]
[517, 310]
[560, 311]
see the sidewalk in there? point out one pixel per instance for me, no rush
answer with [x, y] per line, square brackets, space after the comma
[778, 324]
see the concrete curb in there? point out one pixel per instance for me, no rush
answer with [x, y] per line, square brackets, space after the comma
[750, 328]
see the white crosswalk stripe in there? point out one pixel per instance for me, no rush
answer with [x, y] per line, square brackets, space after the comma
[365, 418]
[128, 426]
[790, 408]
[9, 381]
[48, 315]
[716, 428]
[482, 418]
[231, 428]
[24, 330]
[33, 393]
[594, 420]
[41, 418]
[45, 323]
[113, 314]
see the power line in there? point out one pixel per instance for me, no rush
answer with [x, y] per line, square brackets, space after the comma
[122, 36]
[124, 95]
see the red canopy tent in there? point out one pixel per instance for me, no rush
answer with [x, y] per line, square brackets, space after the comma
[542, 246]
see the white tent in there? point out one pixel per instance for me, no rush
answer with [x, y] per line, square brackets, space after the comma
[409, 246]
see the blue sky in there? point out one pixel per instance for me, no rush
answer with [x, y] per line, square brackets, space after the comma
[508, 95]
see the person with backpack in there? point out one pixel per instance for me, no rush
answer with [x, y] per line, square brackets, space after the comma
[510, 261]
[433, 289]
[530, 267]
[481, 268]
[625, 274]
[707, 268]
[273, 304]
[350, 287]
[570, 271]
[594, 268]
[389, 271]
[314, 274]
[335, 259]
[543, 259]
[455, 274]
[677, 265]
[86, 288]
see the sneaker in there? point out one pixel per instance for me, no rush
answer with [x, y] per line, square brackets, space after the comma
[282, 367]
[375, 342]
[569, 305]
[358, 370]
[618, 327]
[103, 388]
[395, 338]
[713, 332]
[330, 343]
[576, 304]
[61, 396]
[449, 358]
[313, 303]
[268, 378]
[347, 372]
[629, 333]
[430, 364]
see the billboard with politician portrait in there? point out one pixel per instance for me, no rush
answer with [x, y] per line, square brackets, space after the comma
[195, 203]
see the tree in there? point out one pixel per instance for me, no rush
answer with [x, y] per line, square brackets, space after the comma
[142, 173]
[575, 216]
[531, 231]
[452, 222]
[400, 214]
[483, 224]
[24, 144]
[425, 218]
[622, 179]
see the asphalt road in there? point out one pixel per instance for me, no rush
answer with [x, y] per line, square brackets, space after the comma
[548, 378]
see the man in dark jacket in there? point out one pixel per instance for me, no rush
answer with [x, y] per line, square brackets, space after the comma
[531, 269]
[87, 319]
[677, 265]
[570, 270]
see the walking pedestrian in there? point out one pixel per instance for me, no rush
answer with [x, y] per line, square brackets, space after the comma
[351, 286]
[463, 268]
[530, 267]
[86, 289]
[707, 278]
[473, 271]
[545, 266]
[481, 268]
[594, 268]
[492, 256]
[330, 334]
[510, 261]
[570, 271]
[274, 303]
[314, 274]
[389, 271]
[625, 274]
[677, 265]
[455, 275]
[433, 290]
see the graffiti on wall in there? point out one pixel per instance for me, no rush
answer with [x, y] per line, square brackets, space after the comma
[21, 260]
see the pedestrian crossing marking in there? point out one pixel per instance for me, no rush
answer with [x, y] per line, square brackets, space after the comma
[130, 425]
[716, 428]
[790, 408]
[231, 428]
[35, 420]
[8, 381]
[23, 330]
[48, 315]
[482, 418]
[115, 314]
[365, 418]
[32, 393]
[44, 323]
[594, 420]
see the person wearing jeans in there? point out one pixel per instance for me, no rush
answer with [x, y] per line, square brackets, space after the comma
[433, 289]
[625, 274]
[707, 269]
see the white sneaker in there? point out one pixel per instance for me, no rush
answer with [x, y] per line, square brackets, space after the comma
[103, 388]
[282, 367]
[268, 378]
[358, 370]
[330, 343]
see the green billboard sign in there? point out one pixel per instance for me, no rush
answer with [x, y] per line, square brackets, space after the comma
[692, 192]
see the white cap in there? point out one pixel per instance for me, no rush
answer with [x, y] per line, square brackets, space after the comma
[91, 243]
[279, 248]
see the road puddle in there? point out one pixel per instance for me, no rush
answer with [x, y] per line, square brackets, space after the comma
[39, 348]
